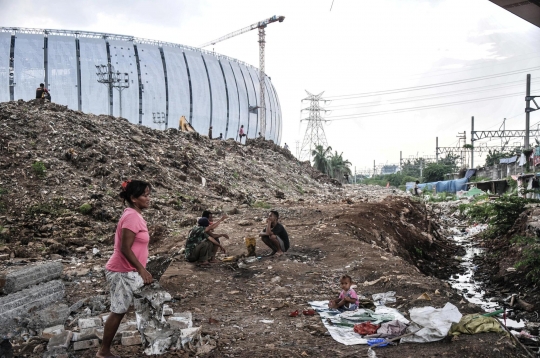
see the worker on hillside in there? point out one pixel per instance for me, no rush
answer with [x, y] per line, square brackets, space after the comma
[241, 133]
[208, 214]
[42, 92]
[220, 136]
[210, 132]
[274, 235]
[286, 147]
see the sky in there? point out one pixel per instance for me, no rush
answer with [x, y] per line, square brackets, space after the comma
[388, 68]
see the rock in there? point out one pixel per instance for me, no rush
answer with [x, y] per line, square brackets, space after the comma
[89, 322]
[80, 345]
[61, 340]
[279, 194]
[276, 279]
[131, 338]
[49, 332]
[53, 315]
[230, 210]
[245, 223]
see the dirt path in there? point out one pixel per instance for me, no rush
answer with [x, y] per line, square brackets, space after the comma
[323, 247]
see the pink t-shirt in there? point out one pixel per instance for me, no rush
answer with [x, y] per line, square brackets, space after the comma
[133, 221]
[351, 294]
[241, 131]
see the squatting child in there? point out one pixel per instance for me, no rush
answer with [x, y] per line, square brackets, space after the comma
[348, 299]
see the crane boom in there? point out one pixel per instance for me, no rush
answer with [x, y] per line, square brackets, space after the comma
[258, 25]
[261, 25]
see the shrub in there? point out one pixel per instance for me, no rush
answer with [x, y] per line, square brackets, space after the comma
[39, 169]
[85, 208]
[261, 205]
[530, 256]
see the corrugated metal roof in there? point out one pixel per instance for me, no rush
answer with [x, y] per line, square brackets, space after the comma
[527, 10]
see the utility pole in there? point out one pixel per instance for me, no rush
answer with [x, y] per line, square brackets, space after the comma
[315, 135]
[400, 159]
[355, 174]
[472, 142]
[527, 113]
[437, 149]
[374, 169]
[112, 79]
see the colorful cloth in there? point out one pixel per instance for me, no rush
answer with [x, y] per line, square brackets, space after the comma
[134, 222]
[195, 237]
[123, 286]
[349, 306]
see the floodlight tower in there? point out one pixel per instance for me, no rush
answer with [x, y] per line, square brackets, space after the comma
[112, 79]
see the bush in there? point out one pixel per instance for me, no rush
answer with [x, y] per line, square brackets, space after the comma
[261, 205]
[39, 169]
[85, 208]
[530, 256]
[500, 214]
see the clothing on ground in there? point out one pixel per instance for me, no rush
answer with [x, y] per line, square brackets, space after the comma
[280, 231]
[134, 222]
[195, 237]
[475, 323]
[123, 286]
[202, 252]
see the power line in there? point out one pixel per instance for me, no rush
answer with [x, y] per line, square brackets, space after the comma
[417, 88]
[360, 115]
[424, 97]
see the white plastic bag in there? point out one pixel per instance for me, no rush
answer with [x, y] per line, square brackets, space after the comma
[434, 323]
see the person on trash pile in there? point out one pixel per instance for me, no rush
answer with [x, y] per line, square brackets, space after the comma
[348, 299]
[210, 132]
[200, 245]
[126, 269]
[42, 92]
[241, 133]
[416, 192]
[220, 136]
[208, 214]
[274, 235]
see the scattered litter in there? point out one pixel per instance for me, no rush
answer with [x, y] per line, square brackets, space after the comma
[381, 299]
[267, 321]
[366, 328]
[432, 324]
[475, 323]
[424, 296]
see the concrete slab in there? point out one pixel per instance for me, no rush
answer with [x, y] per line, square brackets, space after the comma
[31, 275]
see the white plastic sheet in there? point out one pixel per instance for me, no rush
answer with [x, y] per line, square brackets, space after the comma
[434, 323]
[346, 335]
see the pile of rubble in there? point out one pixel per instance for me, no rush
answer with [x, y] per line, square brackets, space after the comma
[34, 317]
[60, 172]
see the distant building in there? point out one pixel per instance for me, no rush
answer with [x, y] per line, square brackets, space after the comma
[166, 80]
[389, 169]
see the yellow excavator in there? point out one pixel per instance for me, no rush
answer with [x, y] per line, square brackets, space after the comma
[185, 126]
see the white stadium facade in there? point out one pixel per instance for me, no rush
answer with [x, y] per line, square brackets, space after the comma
[166, 80]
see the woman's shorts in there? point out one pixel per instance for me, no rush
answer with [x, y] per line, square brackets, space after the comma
[123, 285]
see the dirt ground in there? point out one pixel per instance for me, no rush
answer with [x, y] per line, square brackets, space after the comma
[326, 242]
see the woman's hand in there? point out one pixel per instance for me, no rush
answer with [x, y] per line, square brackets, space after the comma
[146, 276]
[222, 249]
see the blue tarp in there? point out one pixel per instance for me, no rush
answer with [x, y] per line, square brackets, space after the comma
[470, 173]
[449, 186]
[508, 160]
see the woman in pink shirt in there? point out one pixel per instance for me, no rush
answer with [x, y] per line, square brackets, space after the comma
[126, 269]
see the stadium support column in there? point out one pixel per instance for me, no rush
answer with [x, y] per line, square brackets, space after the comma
[472, 142]
[527, 113]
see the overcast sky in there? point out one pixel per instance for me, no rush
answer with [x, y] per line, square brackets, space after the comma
[357, 48]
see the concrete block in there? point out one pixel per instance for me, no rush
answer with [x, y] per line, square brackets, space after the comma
[52, 315]
[92, 343]
[31, 275]
[20, 303]
[49, 332]
[62, 340]
[89, 322]
[180, 320]
[85, 334]
[167, 311]
[131, 338]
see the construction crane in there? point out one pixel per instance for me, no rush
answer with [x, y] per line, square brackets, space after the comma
[261, 25]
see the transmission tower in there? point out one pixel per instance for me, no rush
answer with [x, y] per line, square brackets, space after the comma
[314, 132]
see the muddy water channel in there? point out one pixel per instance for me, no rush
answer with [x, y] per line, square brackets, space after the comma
[465, 283]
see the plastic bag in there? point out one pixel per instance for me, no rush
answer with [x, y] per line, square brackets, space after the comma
[366, 328]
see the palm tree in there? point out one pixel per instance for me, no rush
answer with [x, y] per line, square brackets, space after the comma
[339, 166]
[321, 158]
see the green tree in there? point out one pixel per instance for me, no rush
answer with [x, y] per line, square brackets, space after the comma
[436, 172]
[494, 156]
[321, 158]
[339, 166]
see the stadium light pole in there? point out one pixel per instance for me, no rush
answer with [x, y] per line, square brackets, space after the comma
[112, 79]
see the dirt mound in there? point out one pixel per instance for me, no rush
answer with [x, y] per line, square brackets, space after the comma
[402, 227]
[61, 170]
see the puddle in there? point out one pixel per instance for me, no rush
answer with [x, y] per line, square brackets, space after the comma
[471, 288]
